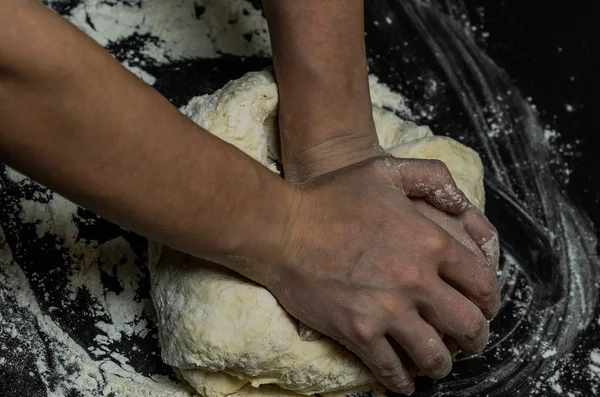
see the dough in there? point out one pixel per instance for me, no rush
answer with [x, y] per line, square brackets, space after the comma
[229, 336]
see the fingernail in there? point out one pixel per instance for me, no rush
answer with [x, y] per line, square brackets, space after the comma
[410, 390]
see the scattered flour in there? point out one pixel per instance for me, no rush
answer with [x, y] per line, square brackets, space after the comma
[554, 382]
[142, 74]
[62, 364]
[14, 175]
[177, 29]
[549, 353]
[594, 366]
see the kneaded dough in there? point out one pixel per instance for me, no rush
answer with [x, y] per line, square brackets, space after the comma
[229, 336]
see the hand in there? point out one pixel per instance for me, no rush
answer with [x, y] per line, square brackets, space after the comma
[482, 241]
[457, 226]
[471, 229]
[362, 265]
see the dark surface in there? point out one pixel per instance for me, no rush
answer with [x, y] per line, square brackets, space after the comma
[524, 37]
[477, 102]
[551, 49]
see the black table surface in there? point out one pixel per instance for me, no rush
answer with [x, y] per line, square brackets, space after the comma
[520, 66]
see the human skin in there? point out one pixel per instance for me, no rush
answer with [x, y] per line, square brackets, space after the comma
[345, 252]
[326, 129]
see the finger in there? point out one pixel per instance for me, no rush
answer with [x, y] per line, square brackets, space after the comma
[472, 277]
[456, 316]
[450, 223]
[424, 345]
[467, 270]
[484, 234]
[385, 364]
[431, 180]
[306, 333]
[405, 359]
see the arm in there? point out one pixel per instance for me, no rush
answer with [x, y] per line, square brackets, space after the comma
[72, 118]
[327, 129]
[321, 67]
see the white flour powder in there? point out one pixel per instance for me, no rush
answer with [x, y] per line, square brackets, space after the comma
[177, 29]
[100, 370]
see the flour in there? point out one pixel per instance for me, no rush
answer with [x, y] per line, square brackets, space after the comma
[63, 365]
[383, 97]
[142, 74]
[15, 176]
[594, 366]
[52, 217]
[554, 381]
[549, 353]
[177, 29]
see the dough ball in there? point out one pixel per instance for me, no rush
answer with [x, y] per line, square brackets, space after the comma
[228, 335]
[242, 113]
[212, 319]
[393, 131]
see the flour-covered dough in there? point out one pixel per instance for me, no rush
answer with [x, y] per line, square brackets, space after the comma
[228, 335]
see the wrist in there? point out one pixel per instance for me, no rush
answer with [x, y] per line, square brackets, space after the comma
[257, 248]
[324, 127]
[338, 150]
[325, 117]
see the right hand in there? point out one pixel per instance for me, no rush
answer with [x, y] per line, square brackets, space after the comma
[364, 266]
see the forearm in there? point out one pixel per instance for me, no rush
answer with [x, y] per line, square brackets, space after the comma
[74, 119]
[320, 64]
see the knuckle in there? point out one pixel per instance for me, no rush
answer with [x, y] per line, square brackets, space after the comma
[476, 334]
[436, 242]
[487, 290]
[387, 370]
[391, 375]
[389, 305]
[362, 332]
[414, 278]
[436, 362]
